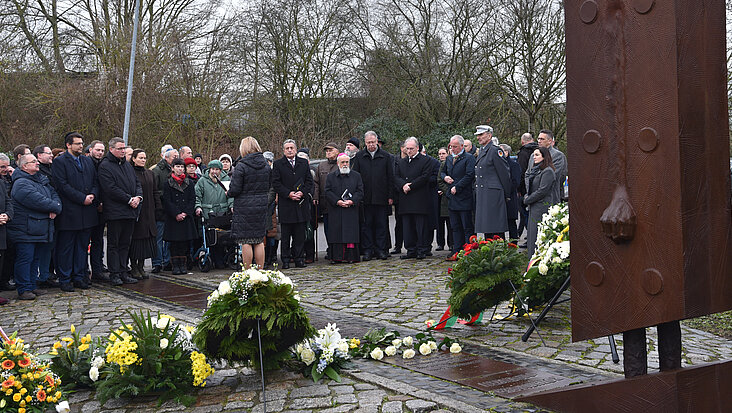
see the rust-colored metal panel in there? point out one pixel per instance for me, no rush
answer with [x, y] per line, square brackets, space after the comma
[703, 388]
[648, 152]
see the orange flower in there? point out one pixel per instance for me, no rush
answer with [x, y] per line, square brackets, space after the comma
[512, 245]
[8, 364]
[41, 395]
[8, 383]
[24, 362]
[49, 380]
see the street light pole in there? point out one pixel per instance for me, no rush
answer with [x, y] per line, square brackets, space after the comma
[128, 106]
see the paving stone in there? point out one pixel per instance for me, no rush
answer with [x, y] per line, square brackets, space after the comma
[311, 391]
[419, 406]
[346, 398]
[392, 407]
[344, 408]
[342, 389]
[239, 405]
[274, 406]
[364, 386]
[311, 403]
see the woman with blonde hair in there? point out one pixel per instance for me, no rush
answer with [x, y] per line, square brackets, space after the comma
[250, 189]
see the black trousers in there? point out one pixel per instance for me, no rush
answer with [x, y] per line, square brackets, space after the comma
[443, 224]
[8, 264]
[374, 228]
[398, 229]
[178, 248]
[635, 356]
[119, 237]
[293, 241]
[96, 252]
[512, 230]
[414, 226]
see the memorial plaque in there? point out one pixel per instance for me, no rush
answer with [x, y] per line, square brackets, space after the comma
[648, 151]
[176, 293]
[503, 379]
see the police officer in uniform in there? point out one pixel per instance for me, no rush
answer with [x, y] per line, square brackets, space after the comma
[492, 186]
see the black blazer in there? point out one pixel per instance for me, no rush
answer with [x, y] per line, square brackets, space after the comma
[419, 171]
[286, 179]
[73, 185]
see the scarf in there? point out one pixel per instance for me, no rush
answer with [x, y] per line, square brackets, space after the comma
[179, 179]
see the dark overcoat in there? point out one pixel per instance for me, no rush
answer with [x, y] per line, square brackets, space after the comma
[343, 225]
[321, 174]
[176, 199]
[286, 179]
[145, 227]
[6, 207]
[118, 185]
[33, 200]
[492, 186]
[377, 174]
[161, 172]
[541, 184]
[443, 187]
[512, 204]
[250, 189]
[462, 171]
[73, 185]
[418, 171]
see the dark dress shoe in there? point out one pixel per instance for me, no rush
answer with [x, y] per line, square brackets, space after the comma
[168, 267]
[309, 261]
[367, 257]
[156, 269]
[115, 280]
[67, 287]
[396, 251]
[429, 254]
[7, 287]
[38, 292]
[286, 265]
[439, 248]
[407, 256]
[126, 279]
[383, 255]
[27, 296]
[100, 278]
[421, 256]
[49, 283]
[300, 264]
[81, 284]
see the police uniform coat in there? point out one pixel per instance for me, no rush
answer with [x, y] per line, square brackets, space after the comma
[343, 226]
[285, 178]
[492, 186]
[419, 200]
[73, 185]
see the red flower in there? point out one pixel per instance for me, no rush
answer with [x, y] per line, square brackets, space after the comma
[449, 270]
[8, 364]
[24, 362]
[472, 238]
[496, 237]
[512, 245]
[8, 383]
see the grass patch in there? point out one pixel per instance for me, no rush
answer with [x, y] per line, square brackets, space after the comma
[719, 324]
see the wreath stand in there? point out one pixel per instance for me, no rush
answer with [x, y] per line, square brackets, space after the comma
[261, 366]
[555, 300]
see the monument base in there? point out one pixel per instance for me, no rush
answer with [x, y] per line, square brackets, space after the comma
[703, 388]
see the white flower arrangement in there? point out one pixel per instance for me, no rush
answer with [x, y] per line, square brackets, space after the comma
[242, 283]
[327, 352]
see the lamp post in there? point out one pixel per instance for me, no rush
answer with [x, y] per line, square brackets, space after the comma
[128, 105]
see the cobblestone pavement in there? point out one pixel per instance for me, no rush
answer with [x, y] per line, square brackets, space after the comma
[397, 294]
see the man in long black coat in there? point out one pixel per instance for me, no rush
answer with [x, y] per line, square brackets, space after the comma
[376, 168]
[121, 194]
[75, 179]
[292, 181]
[344, 191]
[411, 180]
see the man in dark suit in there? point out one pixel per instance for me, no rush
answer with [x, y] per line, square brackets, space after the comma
[292, 181]
[75, 179]
[122, 195]
[376, 167]
[459, 174]
[411, 180]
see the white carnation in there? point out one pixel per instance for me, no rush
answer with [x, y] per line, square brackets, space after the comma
[433, 345]
[307, 356]
[224, 288]
[543, 269]
[565, 221]
[377, 354]
[256, 277]
[425, 349]
[408, 341]
[556, 260]
[455, 348]
[94, 373]
[396, 343]
[408, 353]
[343, 346]
[390, 351]
[97, 362]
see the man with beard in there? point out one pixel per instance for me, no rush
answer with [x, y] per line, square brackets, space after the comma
[376, 168]
[321, 175]
[77, 186]
[344, 192]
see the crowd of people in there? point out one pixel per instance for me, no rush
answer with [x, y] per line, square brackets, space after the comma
[55, 204]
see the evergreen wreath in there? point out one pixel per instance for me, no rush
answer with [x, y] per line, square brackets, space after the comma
[228, 330]
[479, 279]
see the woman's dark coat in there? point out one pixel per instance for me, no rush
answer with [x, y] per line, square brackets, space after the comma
[541, 195]
[176, 199]
[118, 184]
[33, 200]
[145, 227]
[73, 185]
[286, 179]
[343, 225]
[6, 207]
[250, 189]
